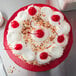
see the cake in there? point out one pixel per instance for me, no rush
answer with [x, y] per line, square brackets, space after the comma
[38, 37]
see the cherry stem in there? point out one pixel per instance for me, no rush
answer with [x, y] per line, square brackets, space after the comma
[31, 33]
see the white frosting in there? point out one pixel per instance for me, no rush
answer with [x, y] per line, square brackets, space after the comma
[56, 51]
[22, 15]
[28, 54]
[43, 61]
[1, 19]
[63, 28]
[47, 12]
[13, 34]
[54, 23]
[64, 43]
[37, 9]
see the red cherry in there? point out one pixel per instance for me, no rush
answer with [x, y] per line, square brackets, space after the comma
[44, 55]
[32, 11]
[14, 24]
[18, 46]
[60, 38]
[55, 18]
[39, 33]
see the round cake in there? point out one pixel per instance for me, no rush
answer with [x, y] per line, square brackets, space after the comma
[38, 37]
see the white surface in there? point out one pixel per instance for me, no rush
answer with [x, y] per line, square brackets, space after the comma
[63, 4]
[8, 62]
[67, 4]
[2, 70]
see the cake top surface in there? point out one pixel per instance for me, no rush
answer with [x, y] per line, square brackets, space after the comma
[38, 35]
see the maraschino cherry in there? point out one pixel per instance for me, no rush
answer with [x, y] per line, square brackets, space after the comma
[32, 11]
[44, 55]
[55, 18]
[14, 24]
[18, 46]
[39, 33]
[60, 38]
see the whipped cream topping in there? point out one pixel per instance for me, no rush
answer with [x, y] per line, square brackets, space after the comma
[22, 15]
[14, 35]
[32, 46]
[56, 51]
[56, 23]
[47, 12]
[43, 61]
[28, 54]
[64, 28]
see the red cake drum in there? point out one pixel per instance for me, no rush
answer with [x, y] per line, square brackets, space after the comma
[38, 37]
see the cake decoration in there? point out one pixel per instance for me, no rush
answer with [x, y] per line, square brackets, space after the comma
[55, 18]
[14, 24]
[44, 55]
[18, 46]
[32, 11]
[39, 33]
[60, 38]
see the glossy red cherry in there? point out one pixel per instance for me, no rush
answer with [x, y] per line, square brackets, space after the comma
[44, 55]
[39, 33]
[60, 38]
[14, 24]
[32, 11]
[18, 46]
[55, 18]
